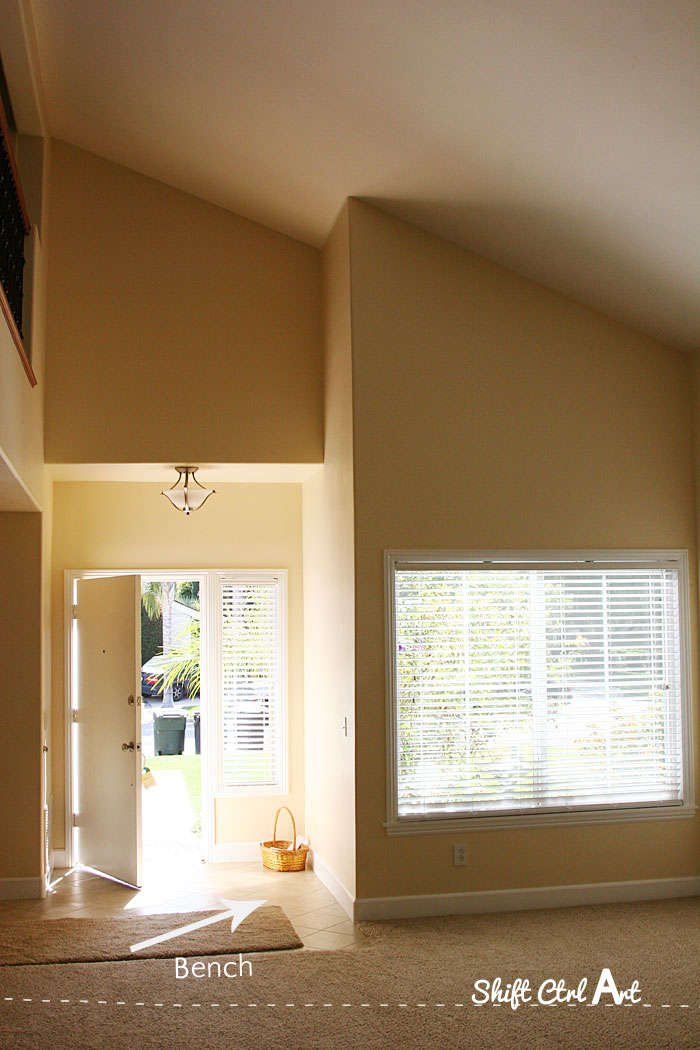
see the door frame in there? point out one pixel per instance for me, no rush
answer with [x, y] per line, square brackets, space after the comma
[207, 707]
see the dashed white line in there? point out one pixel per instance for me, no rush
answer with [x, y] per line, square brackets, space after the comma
[422, 1005]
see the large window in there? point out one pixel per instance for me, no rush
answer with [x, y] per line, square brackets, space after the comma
[529, 687]
[251, 645]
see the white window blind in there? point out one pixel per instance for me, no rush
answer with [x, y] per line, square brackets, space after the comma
[251, 683]
[521, 690]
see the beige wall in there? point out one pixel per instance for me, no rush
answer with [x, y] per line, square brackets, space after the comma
[46, 643]
[21, 405]
[21, 430]
[694, 383]
[329, 665]
[177, 331]
[23, 564]
[130, 526]
[21, 760]
[694, 376]
[490, 412]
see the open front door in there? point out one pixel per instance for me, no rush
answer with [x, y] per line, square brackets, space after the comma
[107, 717]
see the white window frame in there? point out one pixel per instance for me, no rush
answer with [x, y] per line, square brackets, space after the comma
[533, 559]
[278, 576]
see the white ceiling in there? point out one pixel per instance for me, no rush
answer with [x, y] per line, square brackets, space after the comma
[560, 138]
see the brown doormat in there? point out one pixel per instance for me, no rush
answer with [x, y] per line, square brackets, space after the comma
[40, 941]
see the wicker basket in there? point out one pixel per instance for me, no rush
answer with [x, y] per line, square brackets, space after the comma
[280, 854]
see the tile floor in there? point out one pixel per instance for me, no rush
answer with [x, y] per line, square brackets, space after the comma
[316, 915]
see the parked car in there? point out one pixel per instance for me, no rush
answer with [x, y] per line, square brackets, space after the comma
[152, 680]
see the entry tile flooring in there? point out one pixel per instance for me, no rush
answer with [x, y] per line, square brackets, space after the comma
[313, 911]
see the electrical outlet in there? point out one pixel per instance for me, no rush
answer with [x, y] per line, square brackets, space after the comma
[460, 856]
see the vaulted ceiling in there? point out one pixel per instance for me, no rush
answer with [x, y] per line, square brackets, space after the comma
[561, 138]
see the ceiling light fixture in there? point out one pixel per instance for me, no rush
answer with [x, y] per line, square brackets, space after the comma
[182, 496]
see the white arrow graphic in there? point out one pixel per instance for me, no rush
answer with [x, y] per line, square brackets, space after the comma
[237, 911]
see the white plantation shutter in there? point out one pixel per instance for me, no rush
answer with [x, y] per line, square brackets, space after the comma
[534, 689]
[251, 683]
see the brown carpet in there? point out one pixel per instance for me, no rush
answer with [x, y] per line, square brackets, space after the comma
[411, 988]
[74, 940]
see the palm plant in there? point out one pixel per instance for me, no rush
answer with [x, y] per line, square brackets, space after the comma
[157, 597]
[182, 664]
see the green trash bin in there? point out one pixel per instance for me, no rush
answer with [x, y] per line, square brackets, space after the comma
[169, 733]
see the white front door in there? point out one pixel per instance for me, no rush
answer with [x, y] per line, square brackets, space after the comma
[107, 727]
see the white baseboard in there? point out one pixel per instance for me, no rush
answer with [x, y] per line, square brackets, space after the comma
[230, 852]
[22, 889]
[332, 882]
[423, 905]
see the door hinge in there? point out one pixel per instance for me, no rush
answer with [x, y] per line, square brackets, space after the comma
[75, 820]
[75, 612]
[74, 714]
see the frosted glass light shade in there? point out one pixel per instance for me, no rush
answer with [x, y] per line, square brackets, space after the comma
[187, 494]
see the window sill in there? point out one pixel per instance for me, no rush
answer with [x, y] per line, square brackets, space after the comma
[539, 820]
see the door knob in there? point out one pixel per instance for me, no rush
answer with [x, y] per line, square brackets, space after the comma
[129, 746]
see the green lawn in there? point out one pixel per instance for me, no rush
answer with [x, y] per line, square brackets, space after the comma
[191, 768]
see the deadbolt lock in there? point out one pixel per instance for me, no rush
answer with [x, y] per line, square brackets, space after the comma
[129, 746]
